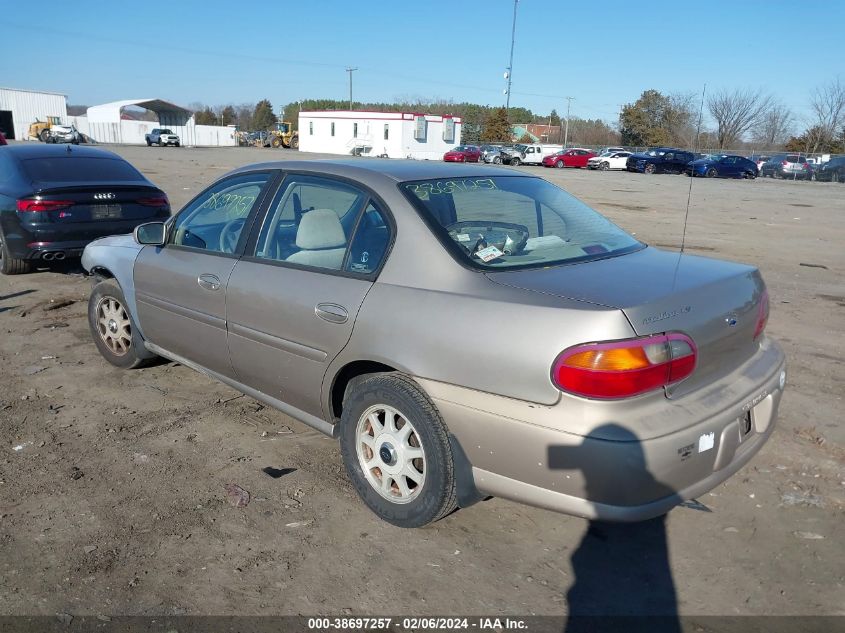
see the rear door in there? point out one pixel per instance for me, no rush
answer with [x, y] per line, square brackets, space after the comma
[180, 288]
[292, 302]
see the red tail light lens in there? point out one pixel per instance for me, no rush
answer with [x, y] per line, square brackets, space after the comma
[621, 369]
[157, 201]
[762, 314]
[34, 205]
[784, 163]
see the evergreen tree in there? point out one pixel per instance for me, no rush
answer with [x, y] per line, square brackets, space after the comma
[263, 117]
[496, 127]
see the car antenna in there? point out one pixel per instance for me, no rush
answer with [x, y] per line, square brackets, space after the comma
[68, 149]
[692, 174]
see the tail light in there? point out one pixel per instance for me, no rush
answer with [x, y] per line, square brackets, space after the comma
[784, 163]
[156, 201]
[35, 205]
[762, 314]
[806, 165]
[621, 369]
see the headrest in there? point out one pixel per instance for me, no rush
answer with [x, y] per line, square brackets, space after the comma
[318, 229]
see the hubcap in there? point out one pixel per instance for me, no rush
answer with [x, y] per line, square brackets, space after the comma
[113, 326]
[390, 454]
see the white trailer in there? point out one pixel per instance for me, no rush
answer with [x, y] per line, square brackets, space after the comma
[386, 134]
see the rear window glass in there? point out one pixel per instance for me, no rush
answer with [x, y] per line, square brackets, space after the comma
[506, 222]
[79, 169]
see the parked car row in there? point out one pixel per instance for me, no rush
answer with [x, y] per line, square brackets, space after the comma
[667, 160]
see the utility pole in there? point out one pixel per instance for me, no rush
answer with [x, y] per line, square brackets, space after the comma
[509, 74]
[566, 134]
[350, 70]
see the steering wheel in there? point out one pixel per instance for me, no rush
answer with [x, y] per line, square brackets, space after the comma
[230, 234]
[507, 237]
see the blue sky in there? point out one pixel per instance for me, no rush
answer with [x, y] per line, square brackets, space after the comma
[602, 53]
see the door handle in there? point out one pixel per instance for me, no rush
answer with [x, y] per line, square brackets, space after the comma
[331, 312]
[209, 281]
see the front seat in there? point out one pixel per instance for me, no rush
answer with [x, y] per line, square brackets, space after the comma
[321, 240]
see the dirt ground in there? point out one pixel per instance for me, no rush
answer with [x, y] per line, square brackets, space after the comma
[112, 483]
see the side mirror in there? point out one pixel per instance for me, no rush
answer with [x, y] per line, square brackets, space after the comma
[152, 233]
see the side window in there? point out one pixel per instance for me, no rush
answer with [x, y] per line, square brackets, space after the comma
[668, 156]
[332, 128]
[214, 221]
[311, 128]
[386, 131]
[369, 244]
[309, 222]
[354, 130]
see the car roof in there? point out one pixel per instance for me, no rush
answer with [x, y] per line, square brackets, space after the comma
[26, 151]
[400, 170]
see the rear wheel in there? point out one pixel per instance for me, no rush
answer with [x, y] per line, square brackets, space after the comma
[834, 177]
[515, 161]
[396, 451]
[115, 335]
[12, 265]
[711, 173]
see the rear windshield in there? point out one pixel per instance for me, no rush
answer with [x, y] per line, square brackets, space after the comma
[79, 169]
[515, 222]
[795, 158]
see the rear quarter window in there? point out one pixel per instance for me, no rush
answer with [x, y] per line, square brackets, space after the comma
[79, 169]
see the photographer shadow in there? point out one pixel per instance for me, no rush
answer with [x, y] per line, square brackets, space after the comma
[623, 579]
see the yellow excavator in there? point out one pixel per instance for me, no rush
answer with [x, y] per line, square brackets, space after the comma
[283, 136]
[41, 129]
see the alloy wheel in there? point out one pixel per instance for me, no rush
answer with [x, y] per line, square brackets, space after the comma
[390, 454]
[114, 326]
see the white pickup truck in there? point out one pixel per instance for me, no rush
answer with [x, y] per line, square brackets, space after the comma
[534, 154]
[161, 137]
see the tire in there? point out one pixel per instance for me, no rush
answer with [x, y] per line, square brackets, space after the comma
[515, 162]
[176, 145]
[107, 317]
[604, 166]
[149, 143]
[559, 164]
[276, 143]
[711, 173]
[497, 160]
[294, 142]
[749, 175]
[834, 177]
[649, 168]
[44, 135]
[401, 500]
[12, 265]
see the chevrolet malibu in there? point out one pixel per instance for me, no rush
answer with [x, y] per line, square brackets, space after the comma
[463, 331]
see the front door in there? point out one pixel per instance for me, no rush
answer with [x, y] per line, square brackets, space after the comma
[181, 287]
[292, 303]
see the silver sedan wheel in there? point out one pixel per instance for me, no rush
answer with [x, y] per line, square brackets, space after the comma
[390, 454]
[113, 325]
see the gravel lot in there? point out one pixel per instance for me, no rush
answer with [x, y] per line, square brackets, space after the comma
[116, 502]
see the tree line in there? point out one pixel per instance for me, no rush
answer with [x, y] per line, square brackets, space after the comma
[741, 119]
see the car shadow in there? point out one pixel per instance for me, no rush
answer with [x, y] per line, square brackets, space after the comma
[623, 577]
[16, 294]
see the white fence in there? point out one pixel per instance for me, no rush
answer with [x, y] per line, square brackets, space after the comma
[128, 132]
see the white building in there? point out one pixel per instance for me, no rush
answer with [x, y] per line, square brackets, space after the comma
[106, 124]
[389, 134]
[20, 108]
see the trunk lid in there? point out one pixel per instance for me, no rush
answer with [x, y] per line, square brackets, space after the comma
[102, 202]
[714, 302]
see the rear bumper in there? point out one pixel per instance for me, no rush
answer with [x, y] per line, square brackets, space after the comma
[27, 241]
[523, 451]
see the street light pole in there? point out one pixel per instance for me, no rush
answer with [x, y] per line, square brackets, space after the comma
[510, 62]
[566, 134]
[350, 70]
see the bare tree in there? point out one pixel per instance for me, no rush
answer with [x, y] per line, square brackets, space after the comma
[774, 127]
[736, 113]
[828, 104]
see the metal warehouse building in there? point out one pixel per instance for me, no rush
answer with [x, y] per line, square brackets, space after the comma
[20, 108]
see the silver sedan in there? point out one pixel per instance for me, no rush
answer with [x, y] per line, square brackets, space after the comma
[464, 332]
